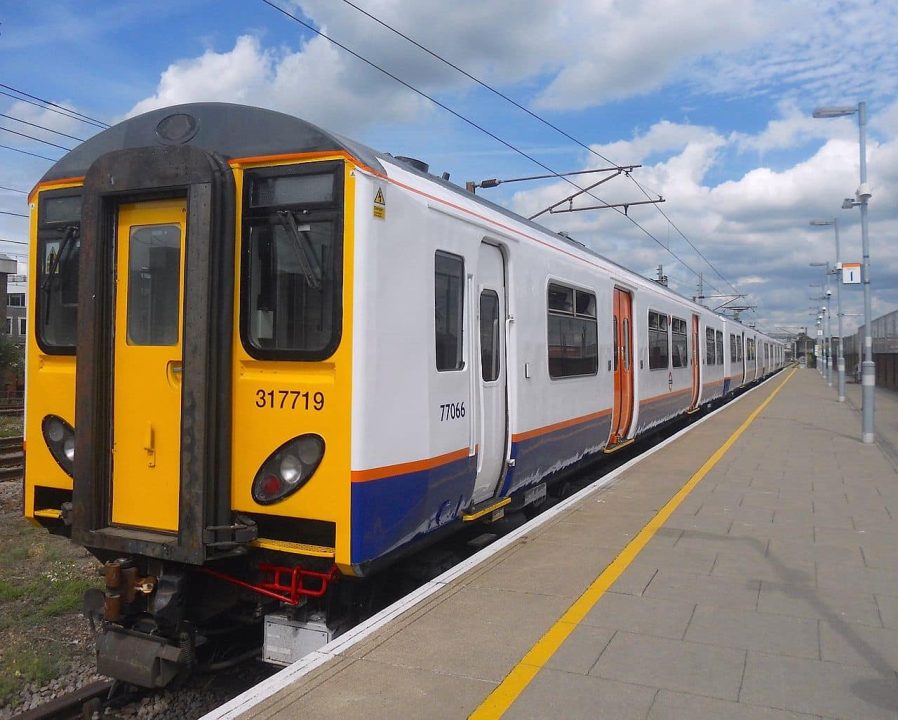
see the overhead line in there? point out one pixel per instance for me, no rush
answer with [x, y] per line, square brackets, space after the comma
[7, 212]
[36, 139]
[461, 117]
[15, 190]
[14, 242]
[41, 127]
[535, 116]
[82, 116]
[25, 152]
[58, 112]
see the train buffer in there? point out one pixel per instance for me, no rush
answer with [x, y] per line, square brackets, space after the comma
[746, 568]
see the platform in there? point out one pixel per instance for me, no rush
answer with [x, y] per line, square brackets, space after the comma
[746, 569]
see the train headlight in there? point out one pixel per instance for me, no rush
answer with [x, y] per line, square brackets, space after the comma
[60, 439]
[288, 468]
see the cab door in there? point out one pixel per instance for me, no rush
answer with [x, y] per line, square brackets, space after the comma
[622, 327]
[490, 384]
[146, 428]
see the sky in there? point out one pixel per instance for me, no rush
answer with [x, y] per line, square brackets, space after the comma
[713, 99]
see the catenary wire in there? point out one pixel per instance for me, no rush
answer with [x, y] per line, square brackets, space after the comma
[15, 214]
[41, 127]
[36, 139]
[57, 108]
[44, 107]
[470, 122]
[540, 119]
[15, 190]
[25, 152]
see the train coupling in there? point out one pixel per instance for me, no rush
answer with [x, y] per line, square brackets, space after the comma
[139, 659]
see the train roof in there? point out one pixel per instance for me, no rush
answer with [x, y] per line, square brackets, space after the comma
[230, 130]
[234, 131]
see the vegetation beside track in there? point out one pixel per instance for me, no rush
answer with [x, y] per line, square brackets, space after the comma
[42, 579]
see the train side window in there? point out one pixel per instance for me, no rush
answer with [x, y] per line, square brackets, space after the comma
[573, 336]
[449, 299]
[58, 239]
[658, 341]
[489, 335]
[678, 344]
[733, 357]
[709, 346]
[719, 338]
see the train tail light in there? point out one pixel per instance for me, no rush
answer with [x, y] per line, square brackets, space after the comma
[60, 438]
[288, 468]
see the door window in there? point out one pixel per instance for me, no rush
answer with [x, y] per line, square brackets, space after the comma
[489, 335]
[154, 284]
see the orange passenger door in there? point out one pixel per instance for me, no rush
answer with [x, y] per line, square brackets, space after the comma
[622, 412]
[146, 442]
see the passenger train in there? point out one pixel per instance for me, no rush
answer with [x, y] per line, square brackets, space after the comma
[267, 361]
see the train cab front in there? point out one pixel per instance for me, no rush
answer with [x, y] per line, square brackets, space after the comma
[189, 381]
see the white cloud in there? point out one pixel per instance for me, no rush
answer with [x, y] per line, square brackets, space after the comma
[317, 83]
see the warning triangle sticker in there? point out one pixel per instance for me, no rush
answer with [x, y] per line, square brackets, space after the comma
[379, 198]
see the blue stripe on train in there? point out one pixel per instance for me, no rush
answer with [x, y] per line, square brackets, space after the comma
[389, 512]
[392, 511]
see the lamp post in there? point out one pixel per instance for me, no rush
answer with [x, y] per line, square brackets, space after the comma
[827, 293]
[825, 346]
[837, 271]
[862, 195]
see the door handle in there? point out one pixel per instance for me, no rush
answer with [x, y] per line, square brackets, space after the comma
[149, 444]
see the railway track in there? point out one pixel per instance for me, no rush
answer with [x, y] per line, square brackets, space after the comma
[82, 703]
[12, 458]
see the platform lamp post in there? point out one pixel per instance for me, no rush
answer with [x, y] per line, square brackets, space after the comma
[837, 271]
[862, 196]
[821, 314]
[827, 293]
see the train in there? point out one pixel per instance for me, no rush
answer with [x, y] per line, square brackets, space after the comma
[268, 362]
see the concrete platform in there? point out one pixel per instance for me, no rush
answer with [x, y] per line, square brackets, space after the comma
[757, 579]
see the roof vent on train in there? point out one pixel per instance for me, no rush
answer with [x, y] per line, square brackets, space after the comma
[176, 129]
[414, 162]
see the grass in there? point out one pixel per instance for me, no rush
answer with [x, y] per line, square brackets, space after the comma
[25, 661]
[42, 580]
[10, 426]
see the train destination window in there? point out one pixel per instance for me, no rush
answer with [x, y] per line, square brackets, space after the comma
[292, 261]
[658, 341]
[59, 244]
[489, 335]
[709, 346]
[154, 284]
[449, 299]
[679, 347]
[293, 190]
[719, 337]
[573, 335]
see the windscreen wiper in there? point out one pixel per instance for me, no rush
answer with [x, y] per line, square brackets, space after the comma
[72, 232]
[308, 261]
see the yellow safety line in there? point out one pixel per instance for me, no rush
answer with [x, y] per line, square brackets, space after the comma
[498, 701]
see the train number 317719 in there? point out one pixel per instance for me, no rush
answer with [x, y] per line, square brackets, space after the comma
[289, 400]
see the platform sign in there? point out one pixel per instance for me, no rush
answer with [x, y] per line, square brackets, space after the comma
[851, 273]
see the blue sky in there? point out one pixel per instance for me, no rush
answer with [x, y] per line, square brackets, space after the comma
[712, 97]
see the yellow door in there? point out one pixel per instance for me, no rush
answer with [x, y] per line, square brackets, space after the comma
[146, 442]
